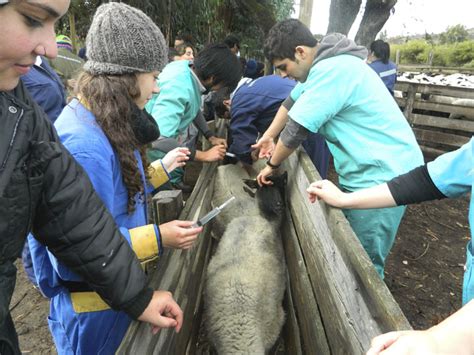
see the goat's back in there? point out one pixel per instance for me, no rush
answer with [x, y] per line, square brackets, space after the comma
[245, 287]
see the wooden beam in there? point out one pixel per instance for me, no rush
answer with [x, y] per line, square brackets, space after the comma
[453, 91]
[167, 205]
[451, 140]
[351, 314]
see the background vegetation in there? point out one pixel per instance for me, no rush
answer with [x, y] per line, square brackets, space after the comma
[204, 21]
[452, 48]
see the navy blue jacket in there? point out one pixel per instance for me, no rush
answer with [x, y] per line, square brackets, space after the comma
[253, 108]
[46, 88]
[387, 72]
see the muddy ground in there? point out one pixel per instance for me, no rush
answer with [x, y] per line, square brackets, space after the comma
[424, 272]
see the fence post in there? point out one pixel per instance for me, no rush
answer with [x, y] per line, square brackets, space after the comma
[167, 205]
[397, 57]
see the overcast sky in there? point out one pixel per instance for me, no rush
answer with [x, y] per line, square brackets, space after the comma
[410, 17]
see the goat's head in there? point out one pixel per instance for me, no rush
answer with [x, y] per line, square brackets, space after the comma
[271, 199]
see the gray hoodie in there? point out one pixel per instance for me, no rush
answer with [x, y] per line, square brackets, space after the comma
[331, 45]
[336, 43]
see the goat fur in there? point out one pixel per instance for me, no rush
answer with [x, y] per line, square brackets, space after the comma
[246, 279]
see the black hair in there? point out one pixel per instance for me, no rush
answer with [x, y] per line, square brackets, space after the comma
[172, 52]
[243, 64]
[381, 50]
[232, 40]
[217, 61]
[218, 101]
[284, 37]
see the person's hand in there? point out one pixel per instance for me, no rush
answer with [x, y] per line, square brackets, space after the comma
[326, 191]
[216, 153]
[179, 234]
[254, 154]
[410, 342]
[162, 312]
[175, 158]
[262, 176]
[266, 146]
[217, 141]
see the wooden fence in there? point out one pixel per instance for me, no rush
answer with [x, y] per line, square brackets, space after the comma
[440, 123]
[335, 300]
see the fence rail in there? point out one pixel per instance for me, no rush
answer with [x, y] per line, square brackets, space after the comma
[442, 117]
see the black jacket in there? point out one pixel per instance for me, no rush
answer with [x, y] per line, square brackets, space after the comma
[43, 190]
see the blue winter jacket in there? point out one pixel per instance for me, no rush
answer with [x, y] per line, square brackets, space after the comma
[253, 108]
[46, 88]
[387, 72]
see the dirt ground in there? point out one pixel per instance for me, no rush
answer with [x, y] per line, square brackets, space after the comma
[424, 272]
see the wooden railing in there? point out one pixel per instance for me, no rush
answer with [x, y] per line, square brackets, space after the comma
[440, 123]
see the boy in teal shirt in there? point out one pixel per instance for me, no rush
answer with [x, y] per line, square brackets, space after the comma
[179, 101]
[343, 99]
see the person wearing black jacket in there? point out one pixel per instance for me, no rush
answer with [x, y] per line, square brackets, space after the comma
[43, 189]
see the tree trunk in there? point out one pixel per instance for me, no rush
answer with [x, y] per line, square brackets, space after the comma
[376, 14]
[306, 10]
[73, 34]
[342, 14]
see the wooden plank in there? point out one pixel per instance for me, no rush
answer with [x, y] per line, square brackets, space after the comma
[430, 152]
[312, 331]
[386, 310]
[180, 272]
[457, 92]
[436, 69]
[440, 107]
[451, 140]
[441, 122]
[291, 330]
[411, 93]
[350, 313]
[167, 205]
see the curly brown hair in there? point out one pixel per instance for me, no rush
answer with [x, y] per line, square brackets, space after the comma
[109, 98]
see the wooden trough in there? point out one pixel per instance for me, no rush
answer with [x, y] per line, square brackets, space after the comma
[335, 301]
[441, 121]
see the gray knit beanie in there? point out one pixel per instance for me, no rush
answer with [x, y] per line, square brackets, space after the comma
[122, 39]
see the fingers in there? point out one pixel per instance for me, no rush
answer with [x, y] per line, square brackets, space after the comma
[256, 145]
[187, 224]
[174, 312]
[265, 153]
[155, 329]
[183, 150]
[262, 178]
[382, 342]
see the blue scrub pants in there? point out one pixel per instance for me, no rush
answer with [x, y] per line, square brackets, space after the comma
[376, 230]
[468, 281]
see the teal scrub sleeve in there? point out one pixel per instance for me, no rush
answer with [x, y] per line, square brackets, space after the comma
[168, 108]
[452, 173]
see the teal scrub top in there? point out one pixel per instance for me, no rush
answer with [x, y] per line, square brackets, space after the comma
[178, 101]
[344, 100]
[453, 175]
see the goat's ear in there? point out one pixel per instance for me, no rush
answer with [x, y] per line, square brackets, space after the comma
[249, 191]
[252, 183]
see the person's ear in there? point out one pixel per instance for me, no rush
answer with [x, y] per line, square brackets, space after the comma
[227, 103]
[300, 52]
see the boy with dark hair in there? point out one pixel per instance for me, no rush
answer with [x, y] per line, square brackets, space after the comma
[340, 97]
[233, 43]
[179, 101]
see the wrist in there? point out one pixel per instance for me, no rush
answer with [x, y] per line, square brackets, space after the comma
[272, 165]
